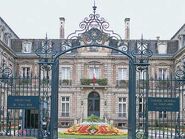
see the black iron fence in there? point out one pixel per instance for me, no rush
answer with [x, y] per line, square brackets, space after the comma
[160, 108]
[18, 115]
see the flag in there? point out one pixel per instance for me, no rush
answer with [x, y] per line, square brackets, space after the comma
[94, 76]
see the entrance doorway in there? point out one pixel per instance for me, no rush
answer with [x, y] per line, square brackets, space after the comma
[94, 104]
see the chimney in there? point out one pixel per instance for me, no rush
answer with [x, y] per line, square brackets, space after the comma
[62, 23]
[158, 38]
[127, 28]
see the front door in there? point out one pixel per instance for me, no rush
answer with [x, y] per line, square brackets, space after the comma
[94, 104]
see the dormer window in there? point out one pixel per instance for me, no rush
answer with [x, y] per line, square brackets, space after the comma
[162, 48]
[26, 47]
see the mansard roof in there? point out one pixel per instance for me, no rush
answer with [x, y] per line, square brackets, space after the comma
[56, 44]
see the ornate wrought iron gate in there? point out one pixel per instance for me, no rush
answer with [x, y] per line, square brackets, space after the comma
[19, 105]
[143, 121]
[94, 33]
[158, 108]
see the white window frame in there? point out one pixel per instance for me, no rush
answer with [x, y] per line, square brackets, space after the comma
[122, 103]
[162, 114]
[162, 73]
[162, 48]
[26, 47]
[65, 73]
[65, 101]
[142, 75]
[45, 74]
[94, 70]
[122, 73]
[25, 73]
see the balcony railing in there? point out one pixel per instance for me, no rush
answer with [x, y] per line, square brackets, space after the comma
[142, 83]
[65, 82]
[123, 114]
[65, 114]
[100, 82]
[163, 84]
[122, 83]
[25, 81]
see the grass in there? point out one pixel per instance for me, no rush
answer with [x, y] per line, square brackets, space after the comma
[62, 135]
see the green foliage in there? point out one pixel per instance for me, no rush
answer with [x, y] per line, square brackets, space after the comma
[102, 81]
[65, 81]
[93, 127]
[86, 81]
[25, 81]
[122, 83]
[98, 81]
[45, 81]
[93, 118]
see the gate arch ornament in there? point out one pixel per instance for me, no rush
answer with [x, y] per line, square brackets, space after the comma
[94, 32]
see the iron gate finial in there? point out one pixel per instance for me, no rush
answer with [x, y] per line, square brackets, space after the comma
[94, 8]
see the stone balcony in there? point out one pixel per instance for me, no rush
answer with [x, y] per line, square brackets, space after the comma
[99, 83]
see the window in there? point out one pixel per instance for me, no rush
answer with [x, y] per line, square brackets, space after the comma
[66, 73]
[122, 107]
[162, 73]
[65, 106]
[142, 75]
[26, 47]
[26, 72]
[122, 77]
[65, 76]
[94, 71]
[162, 114]
[162, 48]
[6, 38]
[122, 74]
[45, 74]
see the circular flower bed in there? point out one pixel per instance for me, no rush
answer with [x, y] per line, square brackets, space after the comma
[94, 128]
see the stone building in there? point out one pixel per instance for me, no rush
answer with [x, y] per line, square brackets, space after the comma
[79, 95]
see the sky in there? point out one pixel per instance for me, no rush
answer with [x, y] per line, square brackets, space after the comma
[34, 18]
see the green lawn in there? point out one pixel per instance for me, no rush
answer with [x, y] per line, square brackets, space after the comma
[61, 135]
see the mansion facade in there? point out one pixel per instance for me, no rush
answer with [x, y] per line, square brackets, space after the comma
[79, 95]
